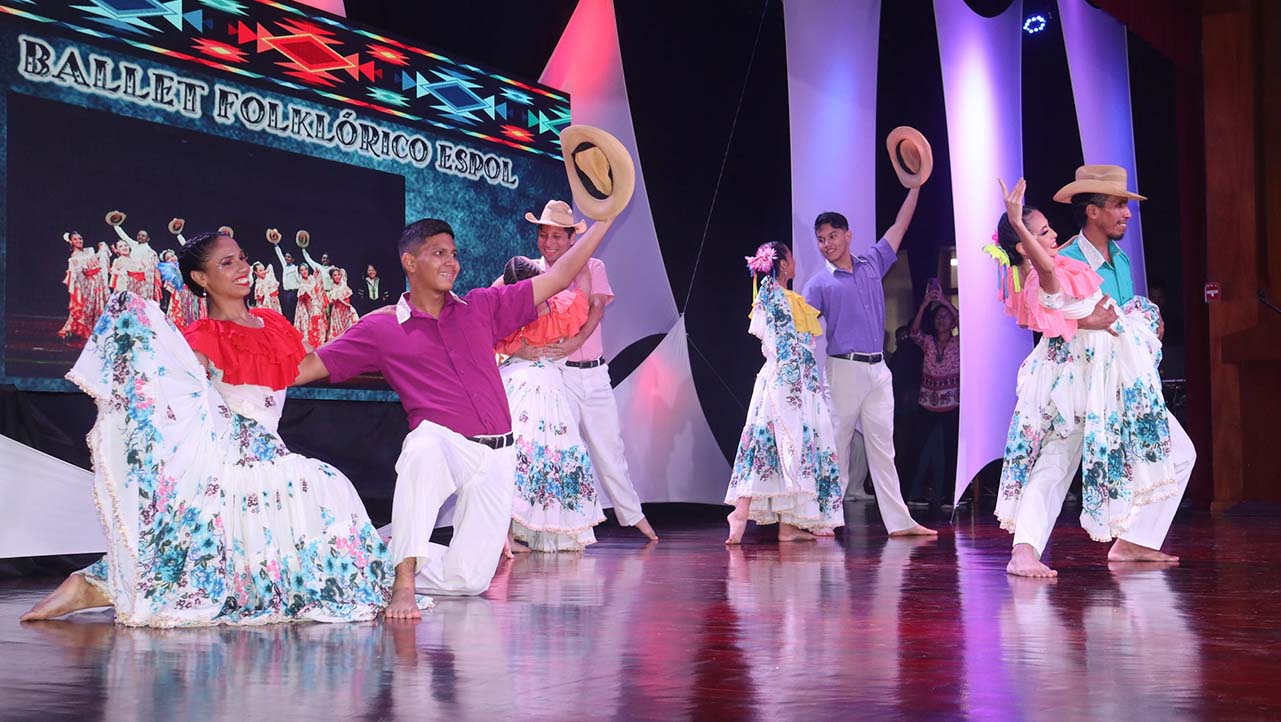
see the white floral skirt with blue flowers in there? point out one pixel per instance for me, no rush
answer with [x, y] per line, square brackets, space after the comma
[556, 503]
[209, 518]
[786, 462]
[1105, 388]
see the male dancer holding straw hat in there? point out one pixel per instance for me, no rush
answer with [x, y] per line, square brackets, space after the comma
[602, 179]
[1100, 202]
[849, 295]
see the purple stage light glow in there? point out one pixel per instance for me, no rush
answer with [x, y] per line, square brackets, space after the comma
[982, 81]
[1100, 68]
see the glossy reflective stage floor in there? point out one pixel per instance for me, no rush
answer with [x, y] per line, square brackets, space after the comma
[860, 627]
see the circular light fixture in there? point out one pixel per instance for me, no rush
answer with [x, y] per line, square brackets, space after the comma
[1034, 24]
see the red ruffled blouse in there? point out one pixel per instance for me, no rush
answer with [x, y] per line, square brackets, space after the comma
[267, 356]
[566, 314]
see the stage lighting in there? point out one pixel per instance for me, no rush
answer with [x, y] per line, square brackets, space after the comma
[1035, 24]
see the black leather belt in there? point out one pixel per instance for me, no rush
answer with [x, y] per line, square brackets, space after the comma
[498, 441]
[867, 358]
[586, 364]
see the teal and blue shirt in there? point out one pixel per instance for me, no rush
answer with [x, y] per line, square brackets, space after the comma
[1117, 281]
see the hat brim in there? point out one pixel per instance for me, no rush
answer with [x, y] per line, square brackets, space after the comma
[578, 227]
[911, 137]
[1094, 186]
[590, 201]
[111, 214]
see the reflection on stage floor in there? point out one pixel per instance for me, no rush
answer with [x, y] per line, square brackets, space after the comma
[856, 627]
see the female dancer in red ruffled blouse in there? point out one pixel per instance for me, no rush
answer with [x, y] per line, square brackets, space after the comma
[86, 282]
[209, 518]
[311, 316]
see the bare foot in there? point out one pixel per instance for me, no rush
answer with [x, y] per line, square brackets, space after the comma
[917, 530]
[404, 604]
[789, 533]
[512, 547]
[824, 532]
[737, 525]
[1024, 562]
[1124, 551]
[75, 593]
[643, 527]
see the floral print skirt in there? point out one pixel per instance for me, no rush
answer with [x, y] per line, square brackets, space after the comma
[209, 519]
[786, 462]
[556, 503]
[1106, 389]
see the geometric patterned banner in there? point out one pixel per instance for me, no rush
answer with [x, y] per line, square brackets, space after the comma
[310, 54]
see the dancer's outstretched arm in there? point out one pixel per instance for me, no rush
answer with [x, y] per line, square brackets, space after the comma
[1041, 259]
[894, 236]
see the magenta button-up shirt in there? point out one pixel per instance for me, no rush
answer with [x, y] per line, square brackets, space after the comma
[442, 368]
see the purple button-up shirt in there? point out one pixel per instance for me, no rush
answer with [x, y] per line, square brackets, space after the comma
[442, 368]
[853, 302]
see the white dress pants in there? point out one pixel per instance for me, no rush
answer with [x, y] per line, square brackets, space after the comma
[1047, 486]
[597, 416]
[436, 463]
[863, 395]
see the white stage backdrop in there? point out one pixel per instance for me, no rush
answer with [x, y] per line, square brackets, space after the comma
[1100, 69]
[831, 98]
[981, 62]
[48, 505]
[671, 452]
[588, 65]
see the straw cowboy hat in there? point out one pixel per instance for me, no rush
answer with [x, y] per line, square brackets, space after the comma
[226, 231]
[273, 236]
[114, 218]
[557, 213]
[176, 225]
[601, 173]
[911, 155]
[1110, 180]
[302, 238]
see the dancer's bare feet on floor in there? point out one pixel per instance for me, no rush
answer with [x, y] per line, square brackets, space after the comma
[643, 527]
[404, 601]
[824, 532]
[1124, 551]
[1024, 562]
[789, 533]
[75, 593]
[737, 525]
[917, 530]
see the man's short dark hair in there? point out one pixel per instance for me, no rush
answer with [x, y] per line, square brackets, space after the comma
[833, 219]
[416, 233]
[1081, 200]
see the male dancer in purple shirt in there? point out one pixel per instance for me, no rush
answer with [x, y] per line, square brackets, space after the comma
[849, 295]
[436, 350]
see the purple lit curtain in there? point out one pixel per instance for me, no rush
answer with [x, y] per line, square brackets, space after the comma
[981, 63]
[831, 87]
[1100, 69]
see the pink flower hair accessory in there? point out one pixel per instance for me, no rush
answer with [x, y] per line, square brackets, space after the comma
[763, 261]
